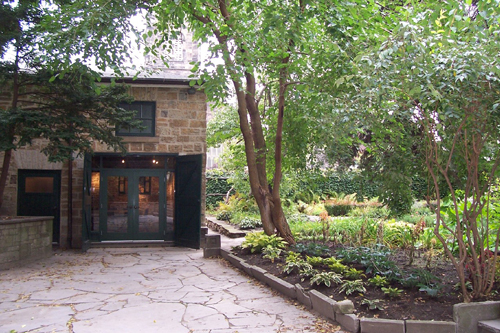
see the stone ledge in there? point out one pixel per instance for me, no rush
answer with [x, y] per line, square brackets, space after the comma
[427, 326]
[373, 325]
[224, 228]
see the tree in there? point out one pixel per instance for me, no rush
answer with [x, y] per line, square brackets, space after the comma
[52, 95]
[435, 78]
[260, 45]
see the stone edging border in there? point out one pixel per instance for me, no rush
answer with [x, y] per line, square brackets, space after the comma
[466, 316]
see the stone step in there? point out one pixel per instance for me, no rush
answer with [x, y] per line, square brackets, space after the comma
[489, 326]
[224, 228]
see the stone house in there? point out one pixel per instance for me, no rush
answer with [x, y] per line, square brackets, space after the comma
[153, 193]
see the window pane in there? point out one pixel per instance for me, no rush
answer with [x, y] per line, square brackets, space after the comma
[39, 185]
[146, 113]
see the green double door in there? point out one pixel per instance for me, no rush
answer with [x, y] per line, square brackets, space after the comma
[133, 205]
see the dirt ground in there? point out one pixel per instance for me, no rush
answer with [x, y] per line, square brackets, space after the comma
[412, 304]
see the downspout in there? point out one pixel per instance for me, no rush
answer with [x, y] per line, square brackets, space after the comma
[70, 202]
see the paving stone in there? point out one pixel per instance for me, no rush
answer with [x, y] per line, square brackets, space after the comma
[143, 290]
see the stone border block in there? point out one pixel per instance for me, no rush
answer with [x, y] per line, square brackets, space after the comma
[489, 326]
[278, 284]
[349, 322]
[344, 307]
[234, 260]
[427, 326]
[211, 252]
[371, 325]
[466, 315]
[246, 267]
[322, 304]
[258, 273]
[303, 296]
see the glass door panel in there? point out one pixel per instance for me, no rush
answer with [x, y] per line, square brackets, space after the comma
[118, 205]
[149, 204]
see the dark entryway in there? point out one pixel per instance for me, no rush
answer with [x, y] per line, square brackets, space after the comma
[142, 197]
[39, 194]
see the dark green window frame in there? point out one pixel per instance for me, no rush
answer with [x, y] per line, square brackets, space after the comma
[146, 112]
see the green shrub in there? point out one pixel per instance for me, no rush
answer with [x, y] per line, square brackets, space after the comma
[249, 223]
[338, 209]
[313, 249]
[224, 215]
[326, 278]
[256, 241]
[350, 287]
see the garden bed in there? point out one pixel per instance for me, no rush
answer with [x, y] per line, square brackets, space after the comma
[412, 304]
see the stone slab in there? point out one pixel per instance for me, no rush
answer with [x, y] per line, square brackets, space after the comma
[349, 322]
[211, 252]
[427, 326]
[372, 325]
[489, 326]
[322, 304]
[467, 315]
[278, 284]
[303, 296]
[258, 273]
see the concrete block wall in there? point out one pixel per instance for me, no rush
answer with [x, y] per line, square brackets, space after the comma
[24, 239]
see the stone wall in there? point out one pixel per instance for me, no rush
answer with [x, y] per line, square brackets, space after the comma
[180, 129]
[24, 239]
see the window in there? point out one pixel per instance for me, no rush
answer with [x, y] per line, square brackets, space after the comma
[146, 113]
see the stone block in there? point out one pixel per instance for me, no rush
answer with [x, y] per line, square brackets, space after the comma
[372, 325]
[212, 241]
[349, 322]
[344, 307]
[279, 285]
[467, 315]
[489, 326]
[322, 304]
[427, 326]
[303, 296]
[258, 273]
[246, 268]
[234, 260]
[211, 252]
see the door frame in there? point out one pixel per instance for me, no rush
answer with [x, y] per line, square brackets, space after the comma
[22, 174]
[133, 176]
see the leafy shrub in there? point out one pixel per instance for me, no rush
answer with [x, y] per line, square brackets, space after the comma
[256, 241]
[392, 292]
[376, 260]
[224, 215]
[378, 281]
[314, 261]
[294, 262]
[338, 209]
[373, 304]
[313, 249]
[326, 278]
[353, 274]
[249, 223]
[350, 287]
[271, 253]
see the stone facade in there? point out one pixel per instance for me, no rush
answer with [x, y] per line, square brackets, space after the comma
[180, 129]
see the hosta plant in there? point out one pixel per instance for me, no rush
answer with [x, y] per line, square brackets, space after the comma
[350, 287]
[378, 281]
[271, 253]
[373, 304]
[326, 278]
[392, 292]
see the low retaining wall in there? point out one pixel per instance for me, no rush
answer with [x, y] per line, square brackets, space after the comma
[465, 315]
[23, 239]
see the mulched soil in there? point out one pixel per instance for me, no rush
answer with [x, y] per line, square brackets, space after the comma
[413, 304]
